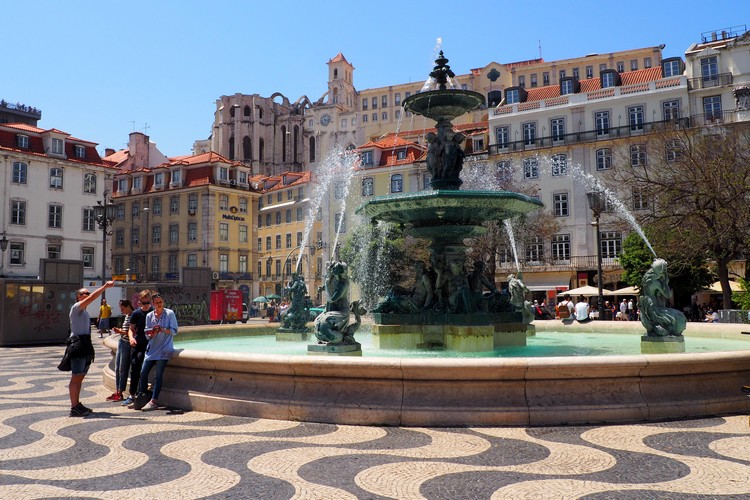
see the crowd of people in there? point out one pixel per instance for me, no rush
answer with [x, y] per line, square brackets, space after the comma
[145, 343]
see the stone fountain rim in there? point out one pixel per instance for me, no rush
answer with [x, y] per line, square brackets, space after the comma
[440, 195]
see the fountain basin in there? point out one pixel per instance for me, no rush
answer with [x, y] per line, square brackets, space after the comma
[443, 104]
[463, 391]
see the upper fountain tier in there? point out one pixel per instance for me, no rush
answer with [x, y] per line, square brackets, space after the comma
[443, 104]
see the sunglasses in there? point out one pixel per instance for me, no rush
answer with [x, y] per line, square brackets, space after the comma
[144, 303]
[85, 293]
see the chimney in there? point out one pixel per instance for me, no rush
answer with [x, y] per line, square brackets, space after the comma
[138, 148]
[108, 152]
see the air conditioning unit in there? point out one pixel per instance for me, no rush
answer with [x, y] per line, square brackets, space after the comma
[233, 183]
[191, 211]
[215, 275]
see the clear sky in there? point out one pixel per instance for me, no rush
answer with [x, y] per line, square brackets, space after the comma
[102, 69]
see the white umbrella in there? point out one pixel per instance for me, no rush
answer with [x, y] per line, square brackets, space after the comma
[586, 291]
[628, 290]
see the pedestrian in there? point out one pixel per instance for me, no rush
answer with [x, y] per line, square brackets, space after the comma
[631, 310]
[105, 312]
[624, 310]
[582, 310]
[161, 326]
[79, 353]
[122, 359]
[138, 342]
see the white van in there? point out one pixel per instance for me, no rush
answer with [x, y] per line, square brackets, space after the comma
[114, 295]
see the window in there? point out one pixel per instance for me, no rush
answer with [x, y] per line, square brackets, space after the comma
[137, 183]
[260, 244]
[223, 231]
[278, 242]
[54, 216]
[20, 173]
[288, 216]
[522, 81]
[172, 264]
[56, 178]
[397, 183]
[559, 165]
[374, 117]
[18, 212]
[674, 149]
[608, 79]
[477, 145]
[611, 244]
[576, 74]
[512, 96]
[561, 246]
[633, 64]
[712, 108]
[268, 219]
[603, 159]
[243, 205]
[122, 186]
[374, 103]
[57, 146]
[89, 183]
[155, 265]
[601, 120]
[156, 206]
[278, 268]
[156, 234]
[243, 264]
[635, 117]
[299, 238]
[384, 101]
[192, 203]
[504, 171]
[567, 87]
[159, 180]
[529, 134]
[557, 126]
[646, 62]
[288, 240]
[502, 135]
[397, 99]
[177, 177]
[89, 223]
[620, 66]
[530, 168]
[120, 211]
[87, 256]
[243, 233]
[134, 236]
[384, 115]
[426, 180]
[339, 223]
[223, 174]
[223, 263]
[367, 186]
[338, 190]
[640, 198]
[120, 238]
[243, 177]
[223, 202]
[364, 118]
[709, 70]
[16, 253]
[670, 110]
[560, 201]
[300, 214]
[174, 234]
[545, 78]
[174, 204]
[278, 217]
[365, 103]
[563, 74]
[535, 249]
[533, 80]
[589, 72]
[192, 260]
[638, 155]
[192, 231]
[670, 67]
[135, 209]
[22, 141]
[268, 243]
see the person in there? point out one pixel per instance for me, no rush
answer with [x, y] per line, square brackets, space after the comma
[80, 351]
[624, 310]
[607, 310]
[138, 343]
[712, 316]
[161, 327]
[582, 310]
[270, 311]
[565, 308]
[122, 359]
[105, 312]
[631, 310]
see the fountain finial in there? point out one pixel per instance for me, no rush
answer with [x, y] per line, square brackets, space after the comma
[442, 72]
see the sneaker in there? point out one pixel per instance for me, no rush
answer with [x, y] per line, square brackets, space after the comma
[128, 401]
[118, 397]
[151, 406]
[113, 396]
[80, 411]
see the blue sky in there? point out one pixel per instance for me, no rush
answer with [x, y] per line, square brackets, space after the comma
[101, 69]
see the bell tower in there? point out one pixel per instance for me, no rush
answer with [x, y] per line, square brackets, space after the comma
[341, 90]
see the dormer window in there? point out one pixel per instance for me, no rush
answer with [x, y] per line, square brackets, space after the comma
[137, 183]
[159, 180]
[22, 141]
[569, 85]
[223, 174]
[57, 146]
[80, 151]
[671, 67]
[177, 177]
[122, 185]
[401, 154]
[515, 95]
[367, 158]
[609, 78]
[242, 177]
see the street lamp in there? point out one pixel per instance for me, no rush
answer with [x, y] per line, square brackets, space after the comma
[104, 214]
[3, 248]
[146, 264]
[596, 201]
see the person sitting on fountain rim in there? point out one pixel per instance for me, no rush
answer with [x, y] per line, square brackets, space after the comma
[582, 311]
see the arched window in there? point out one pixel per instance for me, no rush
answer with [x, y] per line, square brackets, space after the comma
[335, 96]
[231, 111]
[231, 148]
[246, 111]
[494, 97]
[296, 141]
[247, 148]
[260, 112]
[261, 146]
[335, 74]
[283, 143]
[312, 149]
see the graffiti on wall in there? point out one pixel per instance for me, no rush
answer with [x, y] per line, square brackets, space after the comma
[190, 304]
[41, 319]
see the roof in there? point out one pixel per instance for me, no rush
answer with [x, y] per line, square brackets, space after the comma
[282, 181]
[339, 58]
[9, 142]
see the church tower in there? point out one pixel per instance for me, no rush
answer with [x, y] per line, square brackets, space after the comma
[340, 84]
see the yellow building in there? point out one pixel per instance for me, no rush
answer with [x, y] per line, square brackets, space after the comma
[286, 234]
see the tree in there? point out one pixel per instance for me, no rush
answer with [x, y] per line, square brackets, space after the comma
[692, 186]
[635, 259]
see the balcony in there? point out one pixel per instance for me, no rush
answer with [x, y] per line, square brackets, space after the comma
[574, 263]
[705, 82]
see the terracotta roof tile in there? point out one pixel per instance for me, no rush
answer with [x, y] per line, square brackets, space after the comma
[641, 76]
[24, 127]
[339, 58]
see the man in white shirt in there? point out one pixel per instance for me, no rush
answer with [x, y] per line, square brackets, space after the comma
[582, 310]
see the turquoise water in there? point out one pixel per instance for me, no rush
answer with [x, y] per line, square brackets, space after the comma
[543, 344]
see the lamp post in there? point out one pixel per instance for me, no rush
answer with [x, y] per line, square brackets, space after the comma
[596, 203]
[146, 211]
[104, 214]
[3, 248]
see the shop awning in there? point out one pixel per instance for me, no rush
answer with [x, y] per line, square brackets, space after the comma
[542, 282]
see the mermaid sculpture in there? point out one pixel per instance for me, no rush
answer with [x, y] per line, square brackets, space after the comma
[334, 326]
[299, 311]
[658, 319]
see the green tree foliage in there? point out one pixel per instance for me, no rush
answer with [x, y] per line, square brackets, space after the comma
[635, 259]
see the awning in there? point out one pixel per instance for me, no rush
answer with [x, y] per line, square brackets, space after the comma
[716, 287]
[541, 282]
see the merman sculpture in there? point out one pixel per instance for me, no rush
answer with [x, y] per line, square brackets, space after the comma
[298, 314]
[658, 319]
[334, 326]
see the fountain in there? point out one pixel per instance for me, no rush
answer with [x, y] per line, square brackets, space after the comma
[460, 390]
[459, 315]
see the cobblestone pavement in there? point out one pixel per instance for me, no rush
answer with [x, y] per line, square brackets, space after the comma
[121, 453]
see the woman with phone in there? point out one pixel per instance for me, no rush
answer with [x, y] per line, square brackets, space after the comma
[161, 325]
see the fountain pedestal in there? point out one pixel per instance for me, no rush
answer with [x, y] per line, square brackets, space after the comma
[662, 345]
[354, 349]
